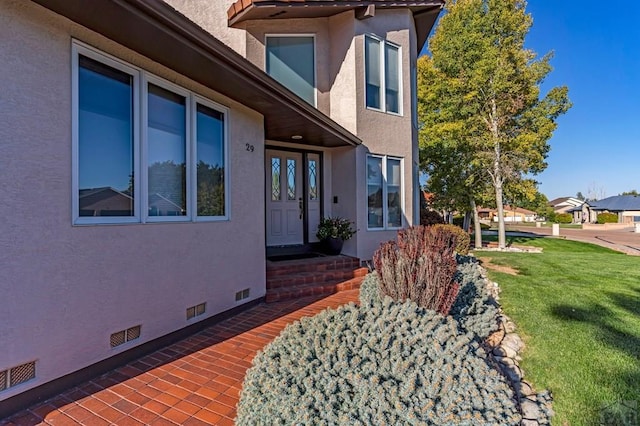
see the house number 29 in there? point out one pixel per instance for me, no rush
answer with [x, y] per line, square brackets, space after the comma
[249, 147]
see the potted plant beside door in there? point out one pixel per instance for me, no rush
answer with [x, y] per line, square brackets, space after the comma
[333, 232]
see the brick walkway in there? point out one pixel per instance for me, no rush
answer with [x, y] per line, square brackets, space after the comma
[196, 381]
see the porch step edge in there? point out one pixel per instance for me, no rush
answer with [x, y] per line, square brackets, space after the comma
[313, 289]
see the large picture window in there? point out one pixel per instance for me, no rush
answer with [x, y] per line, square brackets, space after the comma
[145, 150]
[382, 75]
[291, 61]
[384, 192]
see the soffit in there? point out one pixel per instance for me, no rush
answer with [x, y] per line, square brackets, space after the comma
[425, 12]
[159, 32]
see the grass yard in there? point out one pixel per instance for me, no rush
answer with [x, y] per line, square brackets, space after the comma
[577, 307]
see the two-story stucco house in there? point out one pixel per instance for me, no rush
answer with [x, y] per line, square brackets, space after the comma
[154, 151]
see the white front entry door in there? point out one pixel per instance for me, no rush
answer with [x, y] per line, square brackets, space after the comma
[285, 206]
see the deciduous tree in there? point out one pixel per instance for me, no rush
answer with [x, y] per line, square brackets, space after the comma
[479, 95]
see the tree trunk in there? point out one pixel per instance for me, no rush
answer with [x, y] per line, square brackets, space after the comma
[497, 174]
[466, 223]
[502, 239]
[476, 224]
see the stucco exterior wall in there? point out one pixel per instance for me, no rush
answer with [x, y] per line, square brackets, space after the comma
[67, 288]
[382, 133]
[212, 16]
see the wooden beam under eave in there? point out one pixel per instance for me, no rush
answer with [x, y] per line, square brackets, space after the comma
[366, 12]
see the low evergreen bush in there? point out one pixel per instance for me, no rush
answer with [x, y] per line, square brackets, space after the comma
[420, 267]
[607, 218]
[387, 364]
[474, 309]
[463, 239]
[563, 218]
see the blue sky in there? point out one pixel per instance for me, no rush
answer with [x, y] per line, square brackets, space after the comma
[597, 55]
[596, 147]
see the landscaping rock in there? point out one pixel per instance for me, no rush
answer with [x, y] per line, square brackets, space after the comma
[523, 388]
[513, 373]
[508, 350]
[514, 342]
[496, 338]
[530, 410]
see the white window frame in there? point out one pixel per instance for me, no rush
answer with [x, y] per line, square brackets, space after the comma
[385, 198]
[140, 82]
[382, 43]
[144, 172]
[315, 59]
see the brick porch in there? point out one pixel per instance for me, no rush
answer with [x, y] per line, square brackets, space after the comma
[196, 381]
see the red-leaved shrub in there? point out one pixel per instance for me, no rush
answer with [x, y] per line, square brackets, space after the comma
[420, 267]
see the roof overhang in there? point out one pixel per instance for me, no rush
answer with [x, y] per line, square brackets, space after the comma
[425, 12]
[159, 32]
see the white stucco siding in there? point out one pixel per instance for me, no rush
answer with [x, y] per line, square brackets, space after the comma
[67, 288]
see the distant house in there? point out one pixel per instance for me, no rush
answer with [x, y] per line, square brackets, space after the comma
[627, 207]
[104, 201]
[564, 204]
[511, 214]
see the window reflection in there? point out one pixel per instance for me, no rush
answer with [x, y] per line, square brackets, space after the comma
[166, 135]
[210, 162]
[105, 140]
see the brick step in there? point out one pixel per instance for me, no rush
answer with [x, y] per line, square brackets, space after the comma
[314, 277]
[312, 289]
[330, 263]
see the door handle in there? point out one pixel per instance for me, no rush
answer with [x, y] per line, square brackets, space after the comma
[301, 206]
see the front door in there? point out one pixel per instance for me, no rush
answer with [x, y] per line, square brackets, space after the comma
[285, 207]
[293, 197]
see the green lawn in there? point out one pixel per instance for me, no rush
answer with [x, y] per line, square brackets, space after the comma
[577, 306]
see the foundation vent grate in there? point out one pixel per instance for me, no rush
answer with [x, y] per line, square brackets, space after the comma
[17, 375]
[22, 373]
[134, 332]
[118, 338]
[124, 336]
[197, 310]
[242, 294]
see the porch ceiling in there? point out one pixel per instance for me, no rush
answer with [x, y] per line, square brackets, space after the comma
[162, 34]
[425, 12]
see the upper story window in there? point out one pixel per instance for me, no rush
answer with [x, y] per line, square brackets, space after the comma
[144, 150]
[382, 74]
[291, 61]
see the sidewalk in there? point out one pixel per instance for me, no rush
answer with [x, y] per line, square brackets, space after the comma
[623, 240]
[196, 381]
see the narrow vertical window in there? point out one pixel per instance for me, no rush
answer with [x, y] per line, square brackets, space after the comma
[291, 179]
[291, 61]
[313, 180]
[374, 192]
[392, 78]
[167, 162]
[394, 193]
[210, 160]
[105, 140]
[372, 71]
[275, 179]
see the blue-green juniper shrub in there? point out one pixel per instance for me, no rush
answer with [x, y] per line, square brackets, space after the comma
[389, 363]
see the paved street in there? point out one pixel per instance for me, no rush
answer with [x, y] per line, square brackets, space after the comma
[624, 240]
